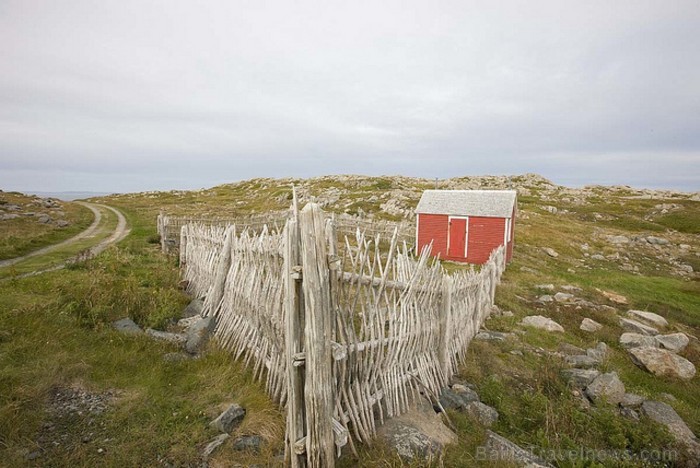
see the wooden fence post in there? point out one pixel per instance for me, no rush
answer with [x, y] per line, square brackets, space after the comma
[446, 328]
[294, 335]
[217, 291]
[183, 244]
[318, 385]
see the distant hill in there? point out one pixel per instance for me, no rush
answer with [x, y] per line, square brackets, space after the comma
[67, 196]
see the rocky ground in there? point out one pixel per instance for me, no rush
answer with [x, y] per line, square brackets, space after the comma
[593, 347]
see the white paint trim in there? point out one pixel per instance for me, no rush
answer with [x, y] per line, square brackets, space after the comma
[466, 232]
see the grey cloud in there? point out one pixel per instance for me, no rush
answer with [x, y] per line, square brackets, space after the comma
[134, 95]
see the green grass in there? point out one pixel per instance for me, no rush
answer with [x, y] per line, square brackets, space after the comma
[55, 331]
[21, 236]
[57, 257]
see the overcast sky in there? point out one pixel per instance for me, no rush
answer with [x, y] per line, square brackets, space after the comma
[141, 95]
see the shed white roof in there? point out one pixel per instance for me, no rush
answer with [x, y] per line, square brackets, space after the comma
[489, 203]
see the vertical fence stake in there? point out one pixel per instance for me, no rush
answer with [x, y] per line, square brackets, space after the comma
[446, 328]
[294, 343]
[319, 385]
[217, 291]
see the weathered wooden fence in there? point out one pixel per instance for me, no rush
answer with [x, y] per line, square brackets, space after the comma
[170, 226]
[344, 333]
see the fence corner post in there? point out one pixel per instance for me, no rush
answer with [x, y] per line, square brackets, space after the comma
[319, 385]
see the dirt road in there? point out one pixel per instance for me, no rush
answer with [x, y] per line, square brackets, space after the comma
[120, 232]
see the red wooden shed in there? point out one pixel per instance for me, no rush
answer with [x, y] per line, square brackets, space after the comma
[466, 225]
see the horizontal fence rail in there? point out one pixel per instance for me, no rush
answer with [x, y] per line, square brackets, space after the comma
[345, 327]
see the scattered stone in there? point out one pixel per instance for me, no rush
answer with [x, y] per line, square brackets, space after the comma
[667, 396]
[229, 419]
[498, 448]
[249, 443]
[580, 378]
[487, 335]
[685, 268]
[589, 325]
[570, 350]
[583, 361]
[551, 252]
[637, 327]
[545, 287]
[597, 257]
[62, 223]
[7, 217]
[187, 322]
[675, 342]
[214, 444]
[508, 313]
[571, 288]
[127, 326]
[618, 240]
[684, 247]
[657, 240]
[629, 413]
[457, 397]
[563, 297]
[194, 308]
[606, 387]
[635, 340]
[198, 334]
[649, 317]
[44, 219]
[166, 336]
[630, 400]
[599, 352]
[544, 323]
[545, 298]
[662, 362]
[550, 209]
[614, 297]
[664, 414]
[483, 413]
[417, 434]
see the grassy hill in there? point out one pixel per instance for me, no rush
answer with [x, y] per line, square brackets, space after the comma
[28, 222]
[55, 331]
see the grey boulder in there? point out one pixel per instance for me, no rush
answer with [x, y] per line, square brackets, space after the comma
[193, 308]
[635, 340]
[198, 334]
[543, 323]
[166, 336]
[634, 326]
[590, 326]
[650, 317]
[127, 326]
[606, 387]
[483, 413]
[229, 419]
[664, 414]
[418, 434]
[580, 378]
[457, 397]
[662, 362]
[675, 342]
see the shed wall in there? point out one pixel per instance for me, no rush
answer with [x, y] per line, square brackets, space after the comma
[433, 228]
[485, 234]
